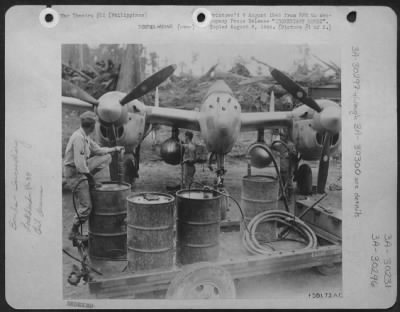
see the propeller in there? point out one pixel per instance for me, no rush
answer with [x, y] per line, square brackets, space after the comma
[329, 119]
[149, 84]
[295, 90]
[71, 90]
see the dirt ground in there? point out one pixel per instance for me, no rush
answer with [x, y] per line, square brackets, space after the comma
[156, 175]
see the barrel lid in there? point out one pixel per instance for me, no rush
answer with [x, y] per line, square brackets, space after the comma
[259, 178]
[150, 198]
[112, 186]
[197, 194]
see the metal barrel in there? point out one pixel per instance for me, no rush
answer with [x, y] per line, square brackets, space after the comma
[259, 193]
[198, 225]
[107, 226]
[150, 231]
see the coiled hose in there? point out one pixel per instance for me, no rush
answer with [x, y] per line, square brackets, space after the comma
[253, 246]
[288, 220]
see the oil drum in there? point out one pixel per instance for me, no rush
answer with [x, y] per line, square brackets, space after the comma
[107, 225]
[198, 225]
[150, 231]
[259, 193]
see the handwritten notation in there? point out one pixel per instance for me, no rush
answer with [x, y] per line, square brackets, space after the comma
[25, 209]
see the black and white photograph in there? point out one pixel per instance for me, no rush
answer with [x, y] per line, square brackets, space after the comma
[201, 171]
[184, 157]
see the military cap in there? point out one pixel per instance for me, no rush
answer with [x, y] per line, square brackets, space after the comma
[89, 117]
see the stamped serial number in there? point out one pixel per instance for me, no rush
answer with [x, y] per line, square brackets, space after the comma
[320, 295]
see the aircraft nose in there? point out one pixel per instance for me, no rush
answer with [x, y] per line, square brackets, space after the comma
[224, 132]
[228, 126]
[224, 123]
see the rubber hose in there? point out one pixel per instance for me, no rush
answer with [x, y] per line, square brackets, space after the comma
[74, 203]
[253, 246]
[73, 198]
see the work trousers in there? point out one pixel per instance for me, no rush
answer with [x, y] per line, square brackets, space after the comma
[82, 191]
[188, 173]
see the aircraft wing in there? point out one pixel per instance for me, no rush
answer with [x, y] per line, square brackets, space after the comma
[66, 100]
[179, 118]
[255, 121]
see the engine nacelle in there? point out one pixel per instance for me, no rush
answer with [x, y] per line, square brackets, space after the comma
[129, 135]
[309, 142]
[171, 151]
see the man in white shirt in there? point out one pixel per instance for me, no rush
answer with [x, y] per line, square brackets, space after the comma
[84, 158]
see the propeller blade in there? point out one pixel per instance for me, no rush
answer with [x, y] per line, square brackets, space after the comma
[71, 90]
[324, 163]
[294, 89]
[149, 84]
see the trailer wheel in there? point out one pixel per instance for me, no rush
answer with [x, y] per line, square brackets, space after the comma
[329, 269]
[202, 281]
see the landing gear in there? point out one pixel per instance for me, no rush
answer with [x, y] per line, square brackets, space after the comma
[125, 168]
[303, 177]
[220, 171]
[219, 181]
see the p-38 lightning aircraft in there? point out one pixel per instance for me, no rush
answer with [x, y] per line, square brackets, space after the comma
[314, 128]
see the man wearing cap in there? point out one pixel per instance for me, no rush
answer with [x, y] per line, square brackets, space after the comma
[189, 159]
[83, 159]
